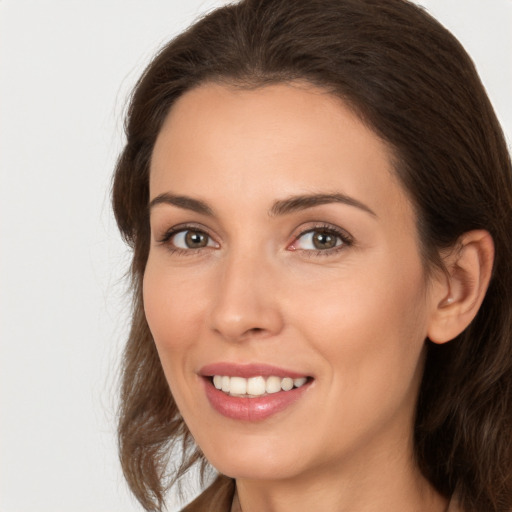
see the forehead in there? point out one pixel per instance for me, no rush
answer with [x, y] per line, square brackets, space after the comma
[275, 140]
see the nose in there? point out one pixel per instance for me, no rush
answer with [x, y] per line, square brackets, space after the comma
[246, 303]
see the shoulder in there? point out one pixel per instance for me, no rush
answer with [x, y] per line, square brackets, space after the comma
[218, 497]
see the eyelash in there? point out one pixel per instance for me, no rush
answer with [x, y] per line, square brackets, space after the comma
[346, 240]
[344, 236]
[165, 240]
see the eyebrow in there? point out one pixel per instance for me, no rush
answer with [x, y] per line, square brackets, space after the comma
[279, 208]
[302, 202]
[185, 202]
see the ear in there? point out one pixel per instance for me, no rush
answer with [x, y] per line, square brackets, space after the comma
[460, 290]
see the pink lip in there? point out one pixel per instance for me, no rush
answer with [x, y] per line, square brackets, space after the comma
[250, 409]
[247, 370]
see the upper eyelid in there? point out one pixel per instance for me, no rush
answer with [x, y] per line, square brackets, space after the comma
[168, 233]
[341, 232]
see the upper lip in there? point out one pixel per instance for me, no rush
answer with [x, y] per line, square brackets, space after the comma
[248, 370]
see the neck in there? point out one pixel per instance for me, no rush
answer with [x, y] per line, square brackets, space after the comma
[385, 483]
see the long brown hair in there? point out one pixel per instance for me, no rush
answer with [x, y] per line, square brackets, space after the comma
[412, 82]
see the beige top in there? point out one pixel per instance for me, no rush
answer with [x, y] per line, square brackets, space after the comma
[221, 497]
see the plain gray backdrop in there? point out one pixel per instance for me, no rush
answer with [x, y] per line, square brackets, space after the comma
[66, 68]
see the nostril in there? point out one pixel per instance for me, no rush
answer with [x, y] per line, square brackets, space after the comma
[256, 332]
[239, 319]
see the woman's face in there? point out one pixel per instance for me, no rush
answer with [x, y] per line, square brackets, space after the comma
[284, 253]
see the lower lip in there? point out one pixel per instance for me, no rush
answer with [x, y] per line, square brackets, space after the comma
[252, 409]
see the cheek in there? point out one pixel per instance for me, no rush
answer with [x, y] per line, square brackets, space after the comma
[173, 309]
[369, 326]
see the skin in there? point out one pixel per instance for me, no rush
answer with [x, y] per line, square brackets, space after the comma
[355, 318]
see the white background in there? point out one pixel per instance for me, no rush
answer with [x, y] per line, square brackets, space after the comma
[66, 67]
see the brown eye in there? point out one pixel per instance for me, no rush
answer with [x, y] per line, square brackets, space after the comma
[324, 240]
[195, 239]
[191, 239]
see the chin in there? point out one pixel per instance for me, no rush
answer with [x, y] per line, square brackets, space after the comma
[256, 470]
[260, 460]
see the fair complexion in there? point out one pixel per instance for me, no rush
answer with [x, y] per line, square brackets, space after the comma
[281, 237]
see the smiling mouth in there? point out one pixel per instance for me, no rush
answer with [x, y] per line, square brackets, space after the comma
[253, 392]
[256, 387]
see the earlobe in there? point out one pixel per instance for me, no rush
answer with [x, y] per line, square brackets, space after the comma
[460, 291]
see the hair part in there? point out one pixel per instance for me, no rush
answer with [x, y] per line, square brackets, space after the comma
[414, 85]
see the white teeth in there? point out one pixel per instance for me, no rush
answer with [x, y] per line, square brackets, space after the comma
[273, 385]
[299, 382]
[256, 386]
[238, 386]
[287, 384]
[217, 381]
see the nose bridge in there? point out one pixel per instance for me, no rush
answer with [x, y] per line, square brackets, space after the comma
[245, 301]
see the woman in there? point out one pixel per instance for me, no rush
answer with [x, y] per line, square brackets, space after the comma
[319, 199]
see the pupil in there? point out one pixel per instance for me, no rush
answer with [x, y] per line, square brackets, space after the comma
[195, 239]
[323, 240]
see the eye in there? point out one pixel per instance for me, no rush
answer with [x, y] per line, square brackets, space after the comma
[186, 239]
[321, 239]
